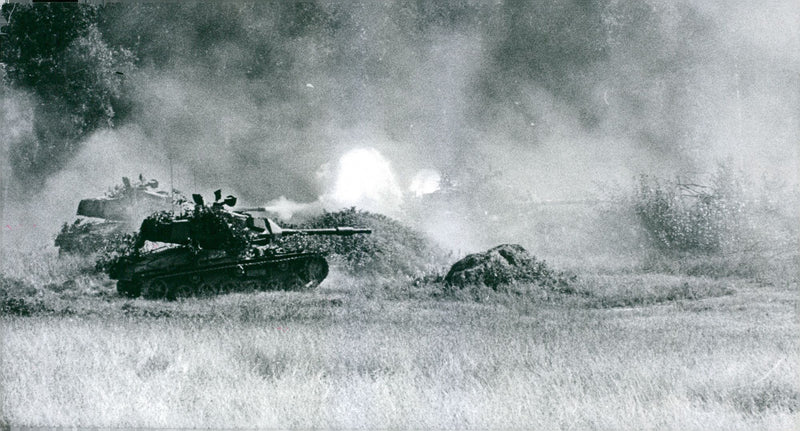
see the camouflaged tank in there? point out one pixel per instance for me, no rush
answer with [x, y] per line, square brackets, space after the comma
[217, 249]
[104, 221]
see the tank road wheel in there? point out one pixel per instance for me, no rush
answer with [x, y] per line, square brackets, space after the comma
[317, 269]
[208, 288]
[184, 287]
[312, 272]
[273, 283]
[230, 286]
[156, 288]
[131, 289]
[252, 285]
[171, 293]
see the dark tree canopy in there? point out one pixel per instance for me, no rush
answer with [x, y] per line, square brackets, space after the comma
[56, 53]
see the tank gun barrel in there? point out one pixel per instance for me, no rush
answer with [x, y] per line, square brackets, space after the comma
[249, 210]
[266, 238]
[340, 230]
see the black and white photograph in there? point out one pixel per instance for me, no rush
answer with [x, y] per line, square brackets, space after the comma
[400, 214]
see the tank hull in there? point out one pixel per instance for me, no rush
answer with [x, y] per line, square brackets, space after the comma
[181, 272]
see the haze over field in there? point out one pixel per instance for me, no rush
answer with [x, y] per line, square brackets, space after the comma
[274, 99]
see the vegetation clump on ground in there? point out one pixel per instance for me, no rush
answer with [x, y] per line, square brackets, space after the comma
[502, 265]
[15, 297]
[727, 227]
[86, 237]
[686, 217]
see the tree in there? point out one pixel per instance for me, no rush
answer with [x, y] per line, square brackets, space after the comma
[56, 52]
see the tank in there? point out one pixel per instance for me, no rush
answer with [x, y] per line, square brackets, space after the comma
[217, 249]
[106, 220]
[129, 203]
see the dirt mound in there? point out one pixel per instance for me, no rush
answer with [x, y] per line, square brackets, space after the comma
[502, 265]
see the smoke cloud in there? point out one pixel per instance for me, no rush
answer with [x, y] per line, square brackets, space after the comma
[553, 98]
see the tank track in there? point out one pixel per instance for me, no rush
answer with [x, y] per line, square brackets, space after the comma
[295, 272]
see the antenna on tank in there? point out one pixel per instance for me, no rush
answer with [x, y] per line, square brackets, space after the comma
[171, 187]
[171, 176]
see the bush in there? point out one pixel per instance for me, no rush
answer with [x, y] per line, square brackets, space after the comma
[503, 265]
[729, 227]
[683, 217]
[85, 238]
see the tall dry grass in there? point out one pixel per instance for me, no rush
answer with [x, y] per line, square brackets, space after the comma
[264, 361]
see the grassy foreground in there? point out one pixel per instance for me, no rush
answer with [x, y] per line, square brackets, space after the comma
[618, 353]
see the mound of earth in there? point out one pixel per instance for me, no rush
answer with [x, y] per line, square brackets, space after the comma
[392, 248]
[502, 265]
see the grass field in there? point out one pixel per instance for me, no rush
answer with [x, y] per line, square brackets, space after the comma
[621, 351]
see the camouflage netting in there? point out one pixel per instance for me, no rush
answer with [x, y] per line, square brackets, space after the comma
[503, 265]
[209, 229]
[392, 248]
[218, 229]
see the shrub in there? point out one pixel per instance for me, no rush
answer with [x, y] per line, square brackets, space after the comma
[15, 287]
[83, 237]
[727, 227]
[114, 251]
[684, 217]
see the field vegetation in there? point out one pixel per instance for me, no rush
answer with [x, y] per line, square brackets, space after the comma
[685, 335]
[625, 352]
[728, 227]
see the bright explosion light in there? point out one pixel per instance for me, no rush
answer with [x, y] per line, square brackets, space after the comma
[424, 182]
[365, 178]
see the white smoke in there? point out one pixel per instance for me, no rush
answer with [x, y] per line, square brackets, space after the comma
[365, 179]
[424, 182]
[286, 209]
[361, 178]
